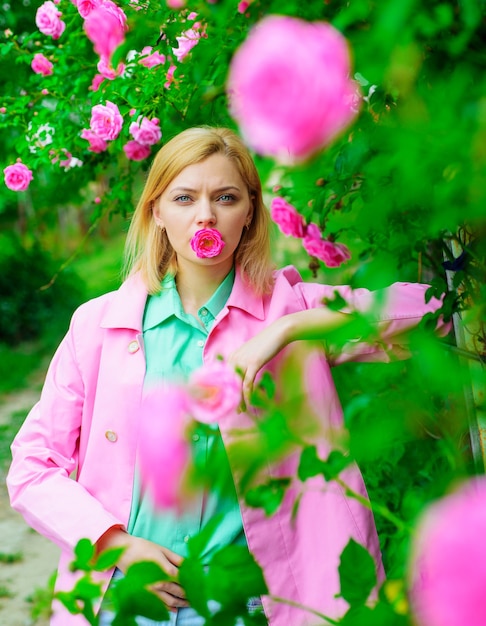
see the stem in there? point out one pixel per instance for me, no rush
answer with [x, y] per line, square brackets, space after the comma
[375, 508]
[66, 263]
[327, 619]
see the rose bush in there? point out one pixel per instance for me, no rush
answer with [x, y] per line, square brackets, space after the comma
[106, 121]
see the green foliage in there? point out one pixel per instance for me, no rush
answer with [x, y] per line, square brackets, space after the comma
[28, 300]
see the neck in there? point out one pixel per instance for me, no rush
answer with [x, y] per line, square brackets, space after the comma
[197, 285]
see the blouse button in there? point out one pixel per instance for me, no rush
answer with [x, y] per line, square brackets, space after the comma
[133, 346]
[111, 436]
[200, 343]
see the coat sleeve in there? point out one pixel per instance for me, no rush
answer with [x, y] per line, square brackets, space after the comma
[390, 313]
[45, 455]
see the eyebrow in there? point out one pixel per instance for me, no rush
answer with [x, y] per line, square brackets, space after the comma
[219, 189]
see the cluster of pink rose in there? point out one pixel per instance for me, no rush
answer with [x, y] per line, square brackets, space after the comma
[106, 124]
[212, 394]
[48, 19]
[292, 224]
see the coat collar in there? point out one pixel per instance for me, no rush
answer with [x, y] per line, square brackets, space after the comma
[127, 304]
[126, 307]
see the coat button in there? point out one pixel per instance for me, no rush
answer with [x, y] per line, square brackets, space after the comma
[111, 436]
[133, 346]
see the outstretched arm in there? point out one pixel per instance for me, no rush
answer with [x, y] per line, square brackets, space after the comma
[309, 324]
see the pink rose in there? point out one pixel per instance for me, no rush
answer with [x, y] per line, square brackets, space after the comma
[151, 59]
[41, 65]
[96, 82]
[86, 6]
[147, 132]
[214, 392]
[47, 20]
[113, 9]
[187, 41]
[331, 253]
[448, 567]
[286, 216]
[136, 151]
[176, 4]
[105, 28]
[106, 120]
[17, 177]
[106, 70]
[96, 143]
[289, 87]
[170, 76]
[207, 243]
[163, 452]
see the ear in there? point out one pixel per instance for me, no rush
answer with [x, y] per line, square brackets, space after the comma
[155, 206]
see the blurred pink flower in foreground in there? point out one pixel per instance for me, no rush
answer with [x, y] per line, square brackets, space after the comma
[96, 82]
[207, 243]
[17, 176]
[86, 6]
[106, 120]
[163, 451]
[214, 392]
[96, 144]
[41, 65]
[147, 132]
[136, 151]
[47, 20]
[105, 26]
[289, 87]
[448, 568]
[106, 70]
[287, 218]
[329, 252]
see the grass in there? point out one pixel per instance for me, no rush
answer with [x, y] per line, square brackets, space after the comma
[7, 433]
[5, 592]
[11, 557]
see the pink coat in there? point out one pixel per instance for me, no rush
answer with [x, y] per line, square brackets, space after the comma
[84, 426]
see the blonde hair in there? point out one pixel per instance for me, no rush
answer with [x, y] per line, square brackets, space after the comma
[147, 249]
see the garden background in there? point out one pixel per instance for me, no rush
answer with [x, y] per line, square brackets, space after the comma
[401, 186]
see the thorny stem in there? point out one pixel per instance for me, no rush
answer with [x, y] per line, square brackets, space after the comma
[375, 508]
[327, 619]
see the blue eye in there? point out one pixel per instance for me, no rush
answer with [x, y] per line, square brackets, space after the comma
[183, 199]
[226, 197]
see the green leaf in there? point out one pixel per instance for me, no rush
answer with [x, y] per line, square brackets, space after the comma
[107, 559]
[310, 464]
[192, 577]
[197, 544]
[357, 573]
[145, 573]
[234, 576]
[268, 496]
[84, 552]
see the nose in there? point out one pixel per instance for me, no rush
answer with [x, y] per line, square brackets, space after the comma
[205, 215]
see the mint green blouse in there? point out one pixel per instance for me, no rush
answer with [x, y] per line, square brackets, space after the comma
[174, 343]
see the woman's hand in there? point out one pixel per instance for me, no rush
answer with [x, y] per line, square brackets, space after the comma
[313, 324]
[249, 358]
[138, 549]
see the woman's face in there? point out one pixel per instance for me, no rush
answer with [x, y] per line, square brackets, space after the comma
[208, 194]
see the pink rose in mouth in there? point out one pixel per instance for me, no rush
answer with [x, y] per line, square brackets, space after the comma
[214, 392]
[207, 243]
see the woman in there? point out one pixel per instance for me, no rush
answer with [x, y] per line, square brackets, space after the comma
[179, 307]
